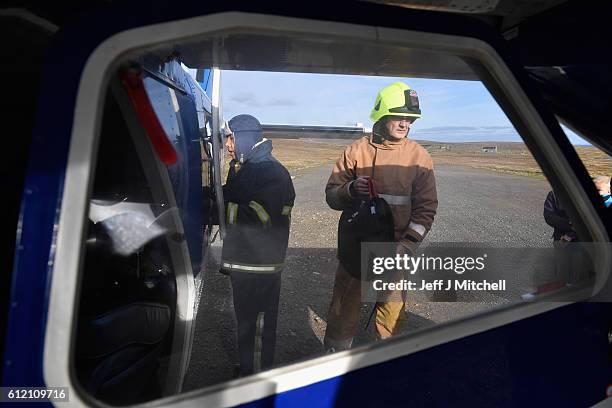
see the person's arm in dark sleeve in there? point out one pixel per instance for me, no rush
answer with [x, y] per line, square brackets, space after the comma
[246, 213]
[288, 198]
[245, 205]
[551, 214]
[291, 198]
[231, 193]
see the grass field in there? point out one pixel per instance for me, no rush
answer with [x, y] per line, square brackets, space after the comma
[299, 155]
[511, 158]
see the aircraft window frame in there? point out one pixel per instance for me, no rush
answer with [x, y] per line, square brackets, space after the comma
[86, 129]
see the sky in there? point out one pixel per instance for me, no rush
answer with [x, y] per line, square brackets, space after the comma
[453, 111]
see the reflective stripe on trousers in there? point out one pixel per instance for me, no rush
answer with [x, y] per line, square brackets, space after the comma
[259, 327]
[256, 299]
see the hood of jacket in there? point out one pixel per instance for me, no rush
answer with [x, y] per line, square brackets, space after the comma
[247, 133]
[262, 151]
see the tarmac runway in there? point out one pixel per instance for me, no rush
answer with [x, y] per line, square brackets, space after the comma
[475, 206]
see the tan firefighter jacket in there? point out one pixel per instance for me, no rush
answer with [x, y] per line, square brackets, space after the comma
[404, 177]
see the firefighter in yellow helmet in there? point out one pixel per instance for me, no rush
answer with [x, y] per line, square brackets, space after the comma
[403, 175]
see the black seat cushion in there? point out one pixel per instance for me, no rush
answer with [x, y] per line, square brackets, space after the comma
[127, 376]
[133, 324]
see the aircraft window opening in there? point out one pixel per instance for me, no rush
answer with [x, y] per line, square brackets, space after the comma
[151, 286]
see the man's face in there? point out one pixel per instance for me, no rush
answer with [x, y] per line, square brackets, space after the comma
[603, 187]
[230, 145]
[398, 126]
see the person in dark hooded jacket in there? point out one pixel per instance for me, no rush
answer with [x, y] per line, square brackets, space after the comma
[259, 196]
[556, 217]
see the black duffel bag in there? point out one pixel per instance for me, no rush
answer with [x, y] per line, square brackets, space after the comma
[368, 221]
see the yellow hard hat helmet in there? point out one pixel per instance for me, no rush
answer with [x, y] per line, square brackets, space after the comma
[397, 100]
